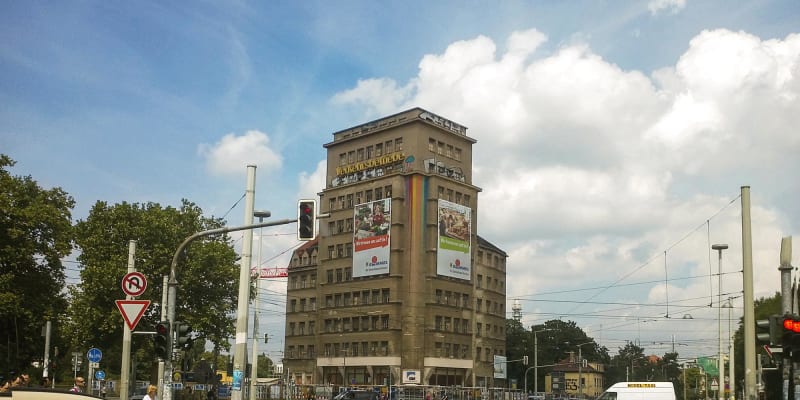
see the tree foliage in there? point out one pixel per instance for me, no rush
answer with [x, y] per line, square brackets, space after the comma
[553, 341]
[207, 275]
[35, 233]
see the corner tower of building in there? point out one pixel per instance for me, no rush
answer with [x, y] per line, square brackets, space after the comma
[404, 290]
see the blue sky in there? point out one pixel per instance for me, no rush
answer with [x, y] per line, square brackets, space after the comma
[621, 131]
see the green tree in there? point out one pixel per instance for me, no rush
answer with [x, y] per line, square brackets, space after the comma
[207, 275]
[35, 234]
[630, 364]
[556, 339]
[266, 367]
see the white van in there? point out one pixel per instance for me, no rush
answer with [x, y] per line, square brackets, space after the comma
[639, 391]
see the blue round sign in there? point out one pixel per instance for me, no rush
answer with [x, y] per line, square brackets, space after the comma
[99, 375]
[94, 354]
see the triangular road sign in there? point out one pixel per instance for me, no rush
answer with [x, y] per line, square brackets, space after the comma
[132, 310]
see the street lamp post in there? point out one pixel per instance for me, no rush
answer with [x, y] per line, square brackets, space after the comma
[731, 373]
[721, 361]
[254, 368]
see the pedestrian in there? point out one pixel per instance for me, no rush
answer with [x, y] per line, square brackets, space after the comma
[79, 385]
[21, 380]
[103, 391]
[151, 393]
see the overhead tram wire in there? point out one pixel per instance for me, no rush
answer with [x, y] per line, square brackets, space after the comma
[646, 263]
[526, 297]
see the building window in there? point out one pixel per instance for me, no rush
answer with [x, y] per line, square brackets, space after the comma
[449, 151]
[387, 191]
[368, 196]
[330, 252]
[313, 304]
[369, 152]
[351, 157]
[385, 294]
[338, 275]
[457, 154]
[360, 155]
[293, 306]
[348, 272]
[479, 281]
[348, 250]
[378, 149]
[342, 159]
[329, 275]
[378, 193]
[432, 145]
[329, 301]
[440, 148]
[312, 327]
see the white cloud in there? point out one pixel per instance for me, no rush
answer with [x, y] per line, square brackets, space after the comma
[669, 6]
[309, 183]
[596, 174]
[233, 153]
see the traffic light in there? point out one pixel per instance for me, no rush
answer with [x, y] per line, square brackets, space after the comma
[770, 331]
[182, 332]
[306, 219]
[791, 331]
[162, 343]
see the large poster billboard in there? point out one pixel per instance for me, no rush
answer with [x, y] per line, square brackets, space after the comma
[455, 232]
[372, 222]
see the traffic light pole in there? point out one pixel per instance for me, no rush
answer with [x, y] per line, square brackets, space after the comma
[173, 282]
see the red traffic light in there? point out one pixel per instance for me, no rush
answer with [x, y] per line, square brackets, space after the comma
[162, 328]
[790, 324]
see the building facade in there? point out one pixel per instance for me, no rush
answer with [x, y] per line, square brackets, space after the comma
[398, 288]
[573, 377]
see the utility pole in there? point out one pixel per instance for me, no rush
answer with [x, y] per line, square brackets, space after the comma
[749, 311]
[240, 345]
[125, 371]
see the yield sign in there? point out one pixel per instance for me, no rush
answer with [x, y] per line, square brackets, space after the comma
[132, 310]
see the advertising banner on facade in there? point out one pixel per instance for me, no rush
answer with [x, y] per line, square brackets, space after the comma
[455, 232]
[500, 367]
[372, 222]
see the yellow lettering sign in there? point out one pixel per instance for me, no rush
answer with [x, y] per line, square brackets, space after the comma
[371, 163]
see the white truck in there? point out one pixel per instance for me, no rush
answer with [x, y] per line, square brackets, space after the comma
[639, 391]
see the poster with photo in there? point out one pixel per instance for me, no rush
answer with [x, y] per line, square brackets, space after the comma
[371, 226]
[454, 246]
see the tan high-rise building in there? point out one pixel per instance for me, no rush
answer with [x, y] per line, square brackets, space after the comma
[398, 287]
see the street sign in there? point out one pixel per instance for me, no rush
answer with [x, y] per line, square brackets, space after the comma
[134, 283]
[99, 375]
[94, 355]
[132, 310]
